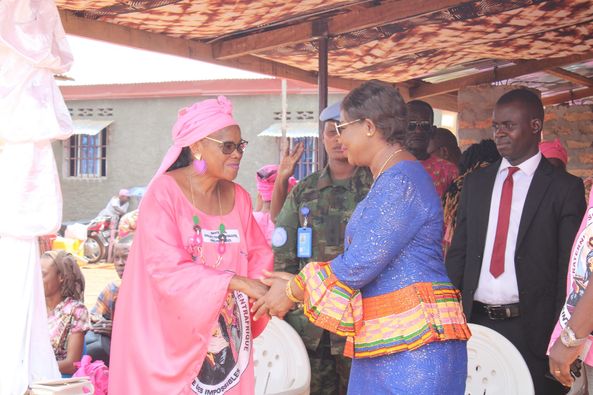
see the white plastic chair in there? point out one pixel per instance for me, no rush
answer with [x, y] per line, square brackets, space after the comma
[281, 361]
[495, 366]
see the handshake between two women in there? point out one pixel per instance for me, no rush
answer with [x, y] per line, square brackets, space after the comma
[274, 294]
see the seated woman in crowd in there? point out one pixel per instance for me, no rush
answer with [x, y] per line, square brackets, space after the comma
[67, 316]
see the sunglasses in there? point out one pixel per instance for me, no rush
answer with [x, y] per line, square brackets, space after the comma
[228, 147]
[424, 126]
[343, 125]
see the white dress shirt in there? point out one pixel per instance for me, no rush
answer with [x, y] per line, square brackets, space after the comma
[503, 289]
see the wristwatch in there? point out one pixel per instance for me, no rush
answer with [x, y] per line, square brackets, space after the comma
[569, 339]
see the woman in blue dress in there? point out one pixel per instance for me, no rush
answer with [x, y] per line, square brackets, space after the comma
[388, 292]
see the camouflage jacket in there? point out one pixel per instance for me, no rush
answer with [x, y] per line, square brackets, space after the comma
[331, 204]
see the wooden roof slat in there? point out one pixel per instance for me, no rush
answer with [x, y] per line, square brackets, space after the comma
[196, 50]
[260, 42]
[567, 96]
[356, 19]
[497, 74]
[570, 76]
[447, 102]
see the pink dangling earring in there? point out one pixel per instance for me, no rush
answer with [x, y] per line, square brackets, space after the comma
[199, 164]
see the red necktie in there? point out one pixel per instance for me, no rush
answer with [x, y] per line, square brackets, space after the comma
[502, 227]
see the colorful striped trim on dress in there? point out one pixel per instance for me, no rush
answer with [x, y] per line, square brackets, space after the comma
[401, 320]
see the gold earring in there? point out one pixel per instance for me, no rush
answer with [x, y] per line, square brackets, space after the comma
[198, 156]
[369, 134]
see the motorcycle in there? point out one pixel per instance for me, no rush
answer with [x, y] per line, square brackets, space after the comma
[99, 234]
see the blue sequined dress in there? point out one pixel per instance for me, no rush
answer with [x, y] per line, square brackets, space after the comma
[390, 294]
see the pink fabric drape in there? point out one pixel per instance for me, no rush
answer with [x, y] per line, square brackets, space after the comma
[33, 48]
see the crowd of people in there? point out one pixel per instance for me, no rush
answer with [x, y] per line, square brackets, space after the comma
[378, 261]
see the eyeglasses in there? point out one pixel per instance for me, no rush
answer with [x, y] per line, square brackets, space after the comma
[228, 147]
[343, 125]
[506, 126]
[424, 126]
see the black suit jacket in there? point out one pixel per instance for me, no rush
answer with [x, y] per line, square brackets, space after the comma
[552, 214]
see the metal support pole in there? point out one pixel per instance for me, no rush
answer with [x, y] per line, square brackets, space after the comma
[323, 88]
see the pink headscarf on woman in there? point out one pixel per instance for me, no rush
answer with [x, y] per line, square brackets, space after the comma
[265, 179]
[554, 149]
[194, 123]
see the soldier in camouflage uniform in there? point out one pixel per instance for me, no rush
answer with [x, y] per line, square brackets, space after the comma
[331, 196]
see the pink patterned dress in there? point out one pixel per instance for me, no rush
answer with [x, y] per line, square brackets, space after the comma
[69, 316]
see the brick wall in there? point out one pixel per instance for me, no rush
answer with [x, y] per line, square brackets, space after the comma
[475, 105]
[573, 125]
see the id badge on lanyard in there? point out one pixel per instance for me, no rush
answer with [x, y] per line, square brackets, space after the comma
[305, 237]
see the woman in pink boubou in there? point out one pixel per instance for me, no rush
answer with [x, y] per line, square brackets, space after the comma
[196, 256]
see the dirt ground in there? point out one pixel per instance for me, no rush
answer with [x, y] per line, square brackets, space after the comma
[96, 277]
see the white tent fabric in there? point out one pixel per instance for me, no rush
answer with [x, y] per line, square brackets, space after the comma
[33, 48]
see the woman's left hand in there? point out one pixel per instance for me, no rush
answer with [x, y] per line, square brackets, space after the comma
[561, 357]
[275, 300]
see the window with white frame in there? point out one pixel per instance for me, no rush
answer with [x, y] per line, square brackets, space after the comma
[86, 155]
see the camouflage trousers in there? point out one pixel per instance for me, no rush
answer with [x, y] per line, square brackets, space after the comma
[329, 373]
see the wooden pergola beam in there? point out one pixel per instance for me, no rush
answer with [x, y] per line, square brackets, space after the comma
[447, 102]
[135, 38]
[497, 74]
[570, 76]
[356, 19]
[568, 96]
[264, 41]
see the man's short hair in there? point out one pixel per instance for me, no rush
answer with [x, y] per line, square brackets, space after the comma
[526, 97]
[422, 105]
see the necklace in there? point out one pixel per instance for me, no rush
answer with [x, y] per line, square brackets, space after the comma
[386, 161]
[196, 241]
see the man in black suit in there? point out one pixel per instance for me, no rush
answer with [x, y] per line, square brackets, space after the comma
[516, 223]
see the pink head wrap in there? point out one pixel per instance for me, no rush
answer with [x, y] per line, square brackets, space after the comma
[554, 149]
[196, 122]
[265, 178]
[124, 192]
